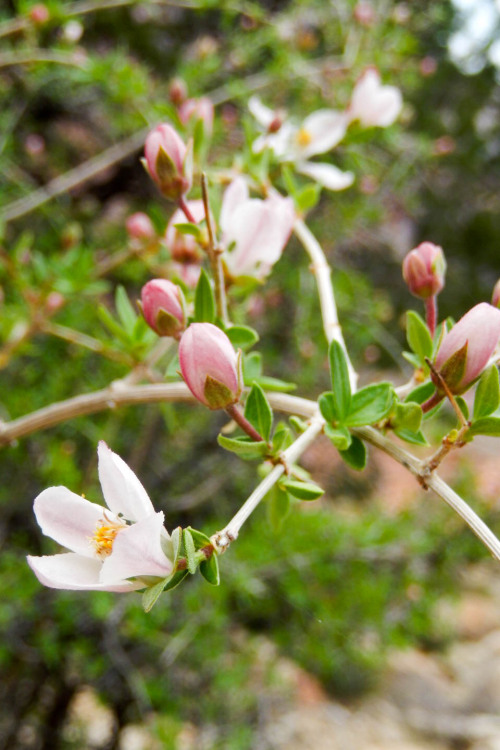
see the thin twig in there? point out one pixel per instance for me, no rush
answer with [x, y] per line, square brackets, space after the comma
[41, 56]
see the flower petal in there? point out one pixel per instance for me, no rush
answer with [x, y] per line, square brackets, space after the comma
[137, 551]
[372, 103]
[121, 489]
[235, 194]
[74, 572]
[68, 518]
[326, 128]
[326, 174]
[264, 115]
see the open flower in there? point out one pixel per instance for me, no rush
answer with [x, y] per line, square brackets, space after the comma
[317, 134]
[466, 349]
[373, 104]
[107, 552]
[254, 231]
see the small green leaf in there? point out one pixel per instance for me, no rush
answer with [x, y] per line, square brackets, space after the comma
[112, 325]
[406, 416]
[416, 438]
[327, 407]
[340, 380]
[418, 336]
[278, 507]
[125, 311]
[200, 539]
[252, 367]
[487, 397]
[272, 384]
[282, 438]
[414, 360]
[204, 300]
[370, 404]
[486, 426]
[462, 405]
[242, 337]
[355, 455]
[188, 228]
[307, 197]
[340, 436]
[258, 411]
[421, 393]
[174, 581]
[245, 448]
[302, 490]
[209, 569]
[153, 593]
[298, 424]
[190, 551]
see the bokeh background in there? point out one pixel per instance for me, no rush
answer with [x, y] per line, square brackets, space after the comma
[299, 640]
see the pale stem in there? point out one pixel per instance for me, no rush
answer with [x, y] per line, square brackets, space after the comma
[40, 56]
[229, 533]
[322, 273]
[215, 257]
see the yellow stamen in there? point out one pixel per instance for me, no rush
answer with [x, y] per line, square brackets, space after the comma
[304, 137]
[104, 536]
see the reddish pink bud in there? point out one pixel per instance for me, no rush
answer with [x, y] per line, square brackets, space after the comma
[364, 13]
[39, 13]
[183, 247]
[210, 366]
[495, 298]
[198, 109]
[140, 227]
[54, 302]
[424, 269]
[177, 91]
[428, 66]
[162, 305]
[165, 153]
[466, 349]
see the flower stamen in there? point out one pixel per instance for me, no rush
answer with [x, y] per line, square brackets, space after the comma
[104, 535]
[304, 137]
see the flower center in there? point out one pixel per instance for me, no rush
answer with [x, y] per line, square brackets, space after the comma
[304, 137]
[104, 536]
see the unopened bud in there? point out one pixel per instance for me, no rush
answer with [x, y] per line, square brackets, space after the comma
[165, 154]
[210, 366]
[54, 302]
[140, 227]
[39, 14]
[424, 269]
[162, 304]
[364, 13]
[495, 297]
[177, 91]
[198, 109]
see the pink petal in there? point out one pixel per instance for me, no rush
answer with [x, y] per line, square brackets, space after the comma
[234, 196]
[68, 518]
[326, 174]
[326, 128]
[206, 350]
[137, 551]
[74, 572]
[121, 489]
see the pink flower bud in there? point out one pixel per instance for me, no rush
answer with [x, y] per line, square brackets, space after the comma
[165, 153]
[210, 366]
[495, 298]
[39, 13]
[424, 269]
[162, 305]
[177, 91]
[466, 349]
[54, 302]
[140, 227]
[198, 109]
[183, 247]
[364, 13]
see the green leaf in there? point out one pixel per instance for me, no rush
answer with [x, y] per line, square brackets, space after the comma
[125, 311]
[370, 404]
[418, 336]
[462, 405]
[200, 539]
[245, 448]
[153, 593]
[174, 581]
[112, 325]
[485, 426]
[355, 455]
[416, 438]
[298, 424]
[278, 507]
[307, 197]
[258, 411]
[340, 380]
[272, 384]
[340, 436]
[421, 393]
[327, 407]
[204, 300]
[242, 337]
[406, 416]
[302, 490]
[252, 367]
[209, 569]
[487, 397]
[190, 551]
[188, 228]
[282, 438]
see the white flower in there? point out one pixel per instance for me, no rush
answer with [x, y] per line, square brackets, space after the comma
[317, 134]
[106, 551]
[373, 104]
[254, 231]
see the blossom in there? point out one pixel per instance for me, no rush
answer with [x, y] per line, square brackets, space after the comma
[424, 269]
[163, 307]
[317, 134]
[184, 247]
[140, 227]
[210, 366]
[466, 349]
[254, 231]
[166, 157]
[372, 103]
[107, 553]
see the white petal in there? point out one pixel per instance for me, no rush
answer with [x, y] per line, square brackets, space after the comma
[71, 571]
[372, 103]
[327, 175]
[235, 194]
[137, 551]
[326, 128]
[121, 489]
[262, 114]
[68, 518]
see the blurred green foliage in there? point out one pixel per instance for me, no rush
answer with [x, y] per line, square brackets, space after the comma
[335, 590]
